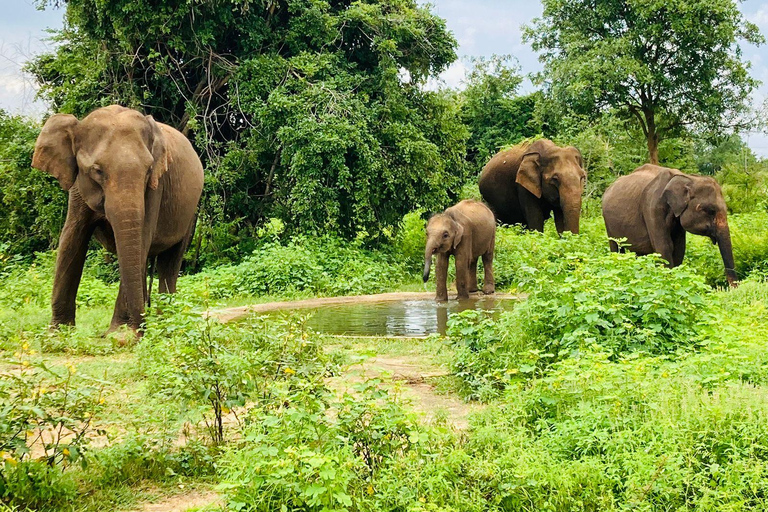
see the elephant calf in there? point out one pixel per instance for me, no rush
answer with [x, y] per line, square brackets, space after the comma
[467, 231]
[654, 207]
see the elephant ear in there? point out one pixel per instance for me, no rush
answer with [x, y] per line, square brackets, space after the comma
[459, 234]
[677, 194]
[528, 174]
[55, 149]
[158, 145]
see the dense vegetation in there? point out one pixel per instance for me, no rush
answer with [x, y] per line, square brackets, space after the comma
[617, 384]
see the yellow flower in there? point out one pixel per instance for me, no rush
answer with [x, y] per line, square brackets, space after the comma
[101, 400]
[25, 363]
[665, 375]
[25, 346]
[10, 460]
[369, 490]
[289, 371]
[65, 451]
[423, 500]
[71, 368]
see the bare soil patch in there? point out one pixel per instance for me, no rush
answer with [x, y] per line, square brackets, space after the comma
[183, 502]
[416, 379]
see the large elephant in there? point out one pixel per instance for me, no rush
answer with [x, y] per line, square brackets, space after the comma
[654, 207]
[134, 184]
[467, 231]
[527, 183]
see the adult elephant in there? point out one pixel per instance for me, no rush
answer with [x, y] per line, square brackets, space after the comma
[654, 207]
[527, 183]
[134, 184]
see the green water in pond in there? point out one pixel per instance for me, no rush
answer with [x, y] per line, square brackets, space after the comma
[397, 318]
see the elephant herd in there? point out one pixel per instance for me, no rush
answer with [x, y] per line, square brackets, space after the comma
[652, 209]
[134, 184]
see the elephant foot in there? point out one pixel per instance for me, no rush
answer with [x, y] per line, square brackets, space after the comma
[441, 298]
[463, 296]
[489, 290]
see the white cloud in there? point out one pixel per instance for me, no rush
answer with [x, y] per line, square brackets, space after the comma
[450, 78]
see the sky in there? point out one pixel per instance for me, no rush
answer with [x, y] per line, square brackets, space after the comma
[482, 28]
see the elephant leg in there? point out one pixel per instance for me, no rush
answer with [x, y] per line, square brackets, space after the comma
[441, 276]
[559, 220]
[168, 267]
[462, 275]
[678, 247]
[472, 284]
[532, 210]
[121, 315]
[489, 285]
[70, 259]
[614, 246]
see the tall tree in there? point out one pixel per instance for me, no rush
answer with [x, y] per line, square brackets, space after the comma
[493, 111]
[669, 64]
[311, 111]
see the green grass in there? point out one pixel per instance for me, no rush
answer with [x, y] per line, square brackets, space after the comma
[605, 427]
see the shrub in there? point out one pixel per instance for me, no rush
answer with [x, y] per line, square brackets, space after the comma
[212, 368]
[618, 302]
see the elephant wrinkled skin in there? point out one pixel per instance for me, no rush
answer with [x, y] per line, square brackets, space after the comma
[530, 181]
[467, 231]
[654, 207]
[134, 184]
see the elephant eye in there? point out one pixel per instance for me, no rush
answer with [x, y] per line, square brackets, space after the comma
[445, 234]
[98, 172]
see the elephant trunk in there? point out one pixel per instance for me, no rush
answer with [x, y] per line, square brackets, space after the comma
[128, 225]
[723, 238]
[428, 252]
[571, 214]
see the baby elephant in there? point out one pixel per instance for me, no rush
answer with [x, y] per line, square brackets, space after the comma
[468, 231]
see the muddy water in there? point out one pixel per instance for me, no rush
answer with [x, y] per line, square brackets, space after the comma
[397, 318]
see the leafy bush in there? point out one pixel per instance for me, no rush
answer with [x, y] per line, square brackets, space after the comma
[324, 266]
[45, 419]
[213, 369]
[319, 453]
[618, 302]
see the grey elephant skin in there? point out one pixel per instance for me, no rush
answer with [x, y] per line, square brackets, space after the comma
[529, 182]
[135, 185]
[654, 207]
[468, 232]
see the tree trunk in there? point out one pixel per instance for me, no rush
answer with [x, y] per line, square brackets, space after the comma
[652, 137]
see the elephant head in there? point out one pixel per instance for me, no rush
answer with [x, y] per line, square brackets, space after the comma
[444, 234]
[698, 203]
[112, 156]
[555, 174]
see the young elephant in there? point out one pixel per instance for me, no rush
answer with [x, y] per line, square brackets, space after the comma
[467, 231]
[655, 206]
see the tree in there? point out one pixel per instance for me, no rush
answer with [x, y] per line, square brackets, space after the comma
[670, 65]
[311, 111]
[492, 110]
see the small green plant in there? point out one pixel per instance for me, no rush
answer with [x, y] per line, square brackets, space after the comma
[46, 415]
[213, 368]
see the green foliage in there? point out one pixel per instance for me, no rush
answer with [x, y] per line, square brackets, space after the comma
[311, 112]
[321, 266]
[321, 452]
[32, 205]
[659, 64]
[45, 420]
[492, 111]
[212, 368]
[579, 299]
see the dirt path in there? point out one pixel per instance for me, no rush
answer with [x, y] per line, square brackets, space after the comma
[183, 502]
[417, 387]
[229, 314]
